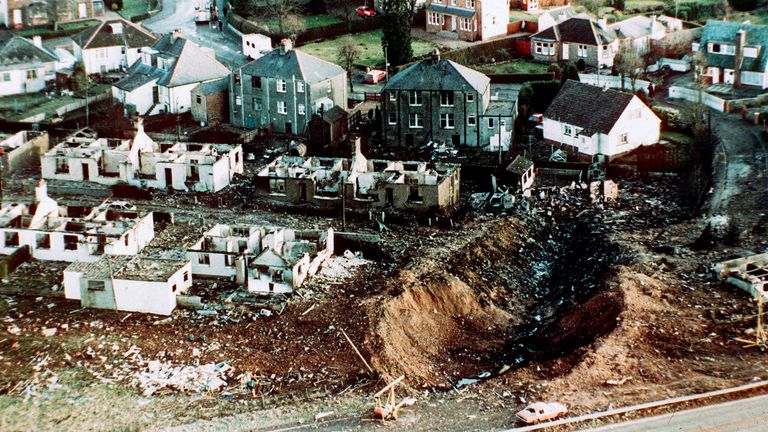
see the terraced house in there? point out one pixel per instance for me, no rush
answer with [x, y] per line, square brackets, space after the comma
[470, 20]
[734, 53]
[282, 89]
[443, 101]
[24, 13]
[577, 38]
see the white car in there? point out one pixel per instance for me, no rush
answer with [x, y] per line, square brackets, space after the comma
[542, 411]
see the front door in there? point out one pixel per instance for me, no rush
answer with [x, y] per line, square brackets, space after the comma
[249, 122]
[86, 172]
[155, 95]
[390, 196]
[168, 178]
[303, 192]
[82, 10]
[566, 51]
[409, 140]
[455, 140]
[288, 128]
[453, 23]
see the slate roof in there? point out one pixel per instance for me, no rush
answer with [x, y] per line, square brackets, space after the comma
[294, 63]
[591, 108]
[451, 10]
[19, 51]
[192, 63]
[101, 36]
[442, 75]
[637, 27]
[519, 166]
[138, 75]
[577, 30]
[725, 32]
[213, 87]
[334, 114]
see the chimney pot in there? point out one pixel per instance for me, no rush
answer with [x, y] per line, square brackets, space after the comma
[435, 55]
[37, 41]
[285, 46]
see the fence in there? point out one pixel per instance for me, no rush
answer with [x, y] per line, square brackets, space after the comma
[692, 95]
[612, 81]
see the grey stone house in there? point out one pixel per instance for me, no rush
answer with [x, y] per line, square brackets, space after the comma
[282, 89]
[442, 101]
[574, 39]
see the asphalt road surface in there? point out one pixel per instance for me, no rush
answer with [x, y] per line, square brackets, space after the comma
[180, 14]
[745, 415]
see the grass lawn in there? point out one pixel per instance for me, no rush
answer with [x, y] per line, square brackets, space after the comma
[643, 4]
[676, 137]
[79, 25]
[309, 21]
[132, 8]
[23, 106]
[512, 66]
[521, 15]
[371, 53]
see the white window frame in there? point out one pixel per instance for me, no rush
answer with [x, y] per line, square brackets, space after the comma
[415, 121]
[624, 139]
[545, 48]
[447, 121]
[491, 123]
[567, 130]
[282, 107]
[281, 86]
[470, 4]
[300, 86]
[450, 98]
[392, 96]
[392, 118]
[414, 98]
[582, 50]
[301, 109]
[470, 97]
[471, 121]
[238, 100]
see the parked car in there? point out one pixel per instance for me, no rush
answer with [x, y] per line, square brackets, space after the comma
[374, 76]
[366, 11]
[542, 411]
[202, 16]
[536, 119]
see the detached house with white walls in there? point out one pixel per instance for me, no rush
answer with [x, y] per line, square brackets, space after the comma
[735, 53]
[162, 79]
[111, 46]
[25, 66]
[59, 233]
[599, 122]
[470, 20]
[282, 89]
[265, 259]
[640, 31]
[144, 163]
[577, 38]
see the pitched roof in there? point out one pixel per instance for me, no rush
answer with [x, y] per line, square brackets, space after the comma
[138, 75]
[192, 63]
[725, 32]
[451, 10]
[637, 27]
[220, 85]
[519, 166]
[591, 108]
[440, 75]
[294, 63]
[103, 35]
[18, 51]
[577, 30]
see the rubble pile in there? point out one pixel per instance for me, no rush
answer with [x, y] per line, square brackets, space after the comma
[204, 378]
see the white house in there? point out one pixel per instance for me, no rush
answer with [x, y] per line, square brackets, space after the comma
[162, 79]
[734, 53]
[134, 284]
[142, 162]
[58, 233]
[111, 46]
[550, 17]
[596, 121]
[25, 66]
[254, 45]
[640, 30]
[266, 259]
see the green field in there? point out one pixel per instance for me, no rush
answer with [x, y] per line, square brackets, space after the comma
[512, 66]
[308, 22]
[132, 8]
[371, 53]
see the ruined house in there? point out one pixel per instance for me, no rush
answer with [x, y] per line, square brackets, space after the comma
[22, 149]
[133, 284]
[59, 233]
[362, 183]
[749, 273]
[142, 162]
[265, 259]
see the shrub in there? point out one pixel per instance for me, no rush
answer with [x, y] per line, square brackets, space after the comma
[743, 5]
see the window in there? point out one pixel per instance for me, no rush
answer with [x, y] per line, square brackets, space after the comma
[32, 74]
[203, 259]
[491, 123]
[300, 86]
[751, 52]
[236, 78]
[414, 98]
[471, 120]
[174, 288]
[446, 98]
[277, 186]
[238, 101]
[281, 86]
[282, 107]
[414, 194]
[43, 241]
[11, 238]
[186, 276]
[301, 109]
[623, 138]
[582, 50]
[606, 52]
[471, 4]
[453, 2]
[392, 96]
[70, 242]
[256, 82]
[446, 121]
[434, 18]
[545, 48]
[567, 130]
[122, 50]
[465, 24]
[470, 97]
[415, 121]
[277, 276]
[503, 123]
[330, 86]
[199, 99]
[257, 104]
[62, 166]
[6, 76]
[392, 118]
[96, 285]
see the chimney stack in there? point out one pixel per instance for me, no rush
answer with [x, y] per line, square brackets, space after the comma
[435, 56]
[177, 34]
[741, 41]
[285, 46]
[37, 41]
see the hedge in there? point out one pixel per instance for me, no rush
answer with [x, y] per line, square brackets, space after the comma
[310, 35]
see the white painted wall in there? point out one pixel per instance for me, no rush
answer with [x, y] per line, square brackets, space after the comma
[15, 81]
[495, 17]
[140, 97]
[107, 59]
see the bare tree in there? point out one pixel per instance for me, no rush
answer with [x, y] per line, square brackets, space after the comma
[344, 9]
[287, 13]
[348, 55]
[628, 63]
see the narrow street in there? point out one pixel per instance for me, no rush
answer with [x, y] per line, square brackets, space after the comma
[180, 14]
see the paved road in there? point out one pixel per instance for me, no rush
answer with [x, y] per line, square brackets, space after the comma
[746, 415]
[180, 14]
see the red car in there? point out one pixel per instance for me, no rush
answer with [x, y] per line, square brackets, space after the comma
[374, 76]
[366, 11]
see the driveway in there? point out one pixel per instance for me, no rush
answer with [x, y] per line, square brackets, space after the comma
[180, 14]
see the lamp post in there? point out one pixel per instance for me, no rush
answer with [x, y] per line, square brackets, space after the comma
[386, 65]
